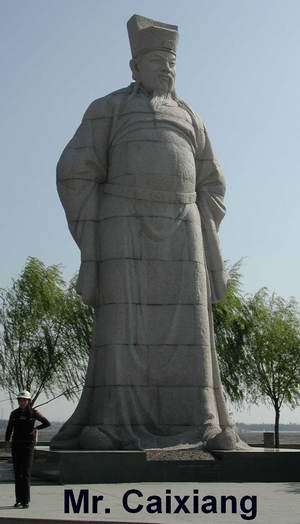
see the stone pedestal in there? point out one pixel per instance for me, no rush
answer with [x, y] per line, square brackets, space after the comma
[252, 465]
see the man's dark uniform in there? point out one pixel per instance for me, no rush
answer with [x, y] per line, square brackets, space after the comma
[21, 426]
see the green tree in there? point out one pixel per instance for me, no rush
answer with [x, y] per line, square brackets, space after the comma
[272, 364]
[231, 325]
[45, 334]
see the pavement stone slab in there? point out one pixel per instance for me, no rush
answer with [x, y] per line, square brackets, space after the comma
[277, 503]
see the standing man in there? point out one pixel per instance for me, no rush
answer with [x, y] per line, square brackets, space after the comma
[143, 195]
[21, 426]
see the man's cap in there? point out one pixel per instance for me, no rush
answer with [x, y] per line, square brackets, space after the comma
[149, 35]
[24, 394]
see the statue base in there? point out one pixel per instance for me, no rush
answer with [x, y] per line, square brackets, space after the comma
[89, 467]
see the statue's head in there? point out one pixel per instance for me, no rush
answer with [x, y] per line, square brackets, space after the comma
[153, 46]
[155, 71]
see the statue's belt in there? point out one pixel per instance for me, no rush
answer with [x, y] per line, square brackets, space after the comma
[141, 193]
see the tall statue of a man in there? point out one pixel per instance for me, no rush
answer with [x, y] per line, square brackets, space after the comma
[143, 195]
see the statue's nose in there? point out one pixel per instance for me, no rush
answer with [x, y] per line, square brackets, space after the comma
[166, 68]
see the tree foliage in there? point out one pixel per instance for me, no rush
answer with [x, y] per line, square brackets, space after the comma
[231, 324]
[258, 342]
[272, 365]
[45, 332]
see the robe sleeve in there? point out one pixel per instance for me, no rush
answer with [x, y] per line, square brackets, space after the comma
[210, 188]
[81, 171]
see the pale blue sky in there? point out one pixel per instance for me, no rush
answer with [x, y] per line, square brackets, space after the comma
[237, 66]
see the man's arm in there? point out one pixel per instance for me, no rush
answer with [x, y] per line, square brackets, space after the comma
[81, 171]
[210, 184]
[9, 428]
[210, 188]
[44, 422]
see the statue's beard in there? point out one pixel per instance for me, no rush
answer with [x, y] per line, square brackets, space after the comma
[161, 94]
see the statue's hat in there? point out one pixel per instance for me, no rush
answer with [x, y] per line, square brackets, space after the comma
[149, 35]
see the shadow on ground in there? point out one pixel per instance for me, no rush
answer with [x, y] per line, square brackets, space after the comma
[293, 488]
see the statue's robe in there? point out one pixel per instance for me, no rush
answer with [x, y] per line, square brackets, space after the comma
[143, 196]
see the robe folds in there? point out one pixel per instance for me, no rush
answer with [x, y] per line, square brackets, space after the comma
[143, 196]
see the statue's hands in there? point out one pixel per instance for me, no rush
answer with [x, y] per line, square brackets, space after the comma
[87, 283]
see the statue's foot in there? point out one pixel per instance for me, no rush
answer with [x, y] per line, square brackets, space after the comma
[66, 438]
[94, 438]
[225, 440]
[76, 437]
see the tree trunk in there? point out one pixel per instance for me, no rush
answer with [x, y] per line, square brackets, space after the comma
[276, 426]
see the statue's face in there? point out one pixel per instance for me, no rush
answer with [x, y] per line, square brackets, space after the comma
[155, 71]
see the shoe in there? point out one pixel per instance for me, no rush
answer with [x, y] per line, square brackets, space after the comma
[25, 506]
[17, 505]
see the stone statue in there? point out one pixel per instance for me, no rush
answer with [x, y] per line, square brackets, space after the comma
[143, 196]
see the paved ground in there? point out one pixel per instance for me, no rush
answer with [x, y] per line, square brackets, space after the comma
[277, 503]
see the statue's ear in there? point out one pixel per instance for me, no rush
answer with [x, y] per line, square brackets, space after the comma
[134, 68]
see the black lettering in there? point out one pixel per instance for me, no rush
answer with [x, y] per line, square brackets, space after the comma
[210, 506]
[76, 506]
[168, 501]
[95, 501]
[155, 506]
[126, 495]
[250, 512]
[196, 501]
[223, 503]
[181, 504]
